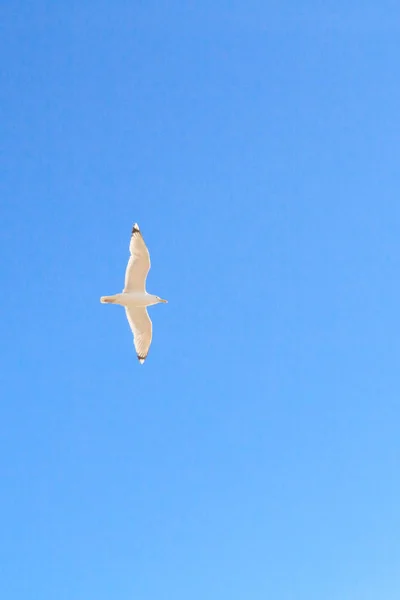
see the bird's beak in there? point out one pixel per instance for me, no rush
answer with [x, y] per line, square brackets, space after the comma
[163, 301]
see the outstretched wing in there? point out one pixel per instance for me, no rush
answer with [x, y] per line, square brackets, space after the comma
[142, 329]
[139, 263]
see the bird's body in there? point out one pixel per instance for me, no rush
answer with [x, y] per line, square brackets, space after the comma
[134, 297]
[131, 299]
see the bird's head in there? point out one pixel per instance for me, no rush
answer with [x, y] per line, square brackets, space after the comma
[161, 300]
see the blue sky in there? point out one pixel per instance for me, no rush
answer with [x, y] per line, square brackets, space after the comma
[256, 453]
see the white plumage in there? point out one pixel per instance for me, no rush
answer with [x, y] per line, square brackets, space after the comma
[134, 297]
[138, 264]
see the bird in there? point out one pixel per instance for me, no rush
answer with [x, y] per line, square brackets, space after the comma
[134, 297]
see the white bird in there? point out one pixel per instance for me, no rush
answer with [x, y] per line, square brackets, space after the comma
[134, 297]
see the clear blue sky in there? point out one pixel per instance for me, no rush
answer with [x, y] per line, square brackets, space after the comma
[256, 454]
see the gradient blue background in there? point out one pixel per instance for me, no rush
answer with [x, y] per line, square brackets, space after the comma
[256, 454]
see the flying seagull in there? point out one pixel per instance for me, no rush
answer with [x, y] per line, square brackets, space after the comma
[134, 296]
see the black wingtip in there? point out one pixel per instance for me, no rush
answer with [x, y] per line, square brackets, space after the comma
[141, 359]
[135, 229]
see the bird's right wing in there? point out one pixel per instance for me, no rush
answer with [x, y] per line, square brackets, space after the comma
[142, 330]
[139, 263]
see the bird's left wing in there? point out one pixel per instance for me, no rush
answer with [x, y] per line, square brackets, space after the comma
[142, 330]
[139, 263]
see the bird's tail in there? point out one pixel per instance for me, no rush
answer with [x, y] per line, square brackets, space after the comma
[108, 299]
